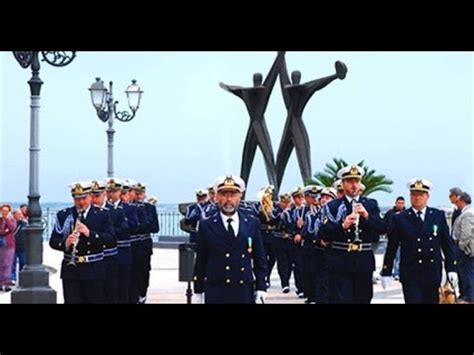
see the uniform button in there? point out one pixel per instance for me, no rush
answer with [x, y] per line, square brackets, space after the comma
[419, 250]
[241, 282]
[103, 246]
[348, 240]
[227, 267]
[88, 252]
[228, 281]
[243, 269]
[432, 260]
[227, 255]
[88, 243]
[431, 249]
[420, 261]
[431, 238]
[418, 240]
[243, 256]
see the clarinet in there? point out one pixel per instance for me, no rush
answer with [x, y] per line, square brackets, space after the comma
[76, 234]
[356, 232]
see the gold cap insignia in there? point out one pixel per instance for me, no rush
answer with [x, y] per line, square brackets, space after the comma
[418, 184]
[229, 181]
[354, 170]
[77, 189]
[297, 191]
[285, 197]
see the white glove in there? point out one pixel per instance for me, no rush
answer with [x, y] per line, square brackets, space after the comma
[260, 297]
[453, 278]
[197, 298]
[386, 281]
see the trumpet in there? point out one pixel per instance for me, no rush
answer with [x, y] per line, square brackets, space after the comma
[356, 232]
[76, 234]
[266, 201]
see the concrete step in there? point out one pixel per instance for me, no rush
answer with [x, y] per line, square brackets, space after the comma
[166, 245]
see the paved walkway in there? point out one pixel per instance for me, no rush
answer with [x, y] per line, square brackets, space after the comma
[165, 287]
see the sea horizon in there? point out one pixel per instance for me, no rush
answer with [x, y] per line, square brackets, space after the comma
[172, 207]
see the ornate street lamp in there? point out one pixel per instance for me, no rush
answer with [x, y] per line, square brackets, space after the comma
[103, 101]
[33, 284]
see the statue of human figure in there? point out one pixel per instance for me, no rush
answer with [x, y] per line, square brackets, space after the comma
[256, 100]
[296, 96]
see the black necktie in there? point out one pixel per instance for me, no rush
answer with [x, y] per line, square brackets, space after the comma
[419, 213]
[229, 228]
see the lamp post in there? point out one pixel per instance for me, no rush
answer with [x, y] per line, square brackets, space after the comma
[103, 102]
[33, 284]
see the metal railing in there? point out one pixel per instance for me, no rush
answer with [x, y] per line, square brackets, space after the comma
[169, 224]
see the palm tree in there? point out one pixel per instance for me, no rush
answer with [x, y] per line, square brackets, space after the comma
[372, 182]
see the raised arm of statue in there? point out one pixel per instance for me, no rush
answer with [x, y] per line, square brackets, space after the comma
[273, 72]
[234, 89]
[314, 85]
[284, 81]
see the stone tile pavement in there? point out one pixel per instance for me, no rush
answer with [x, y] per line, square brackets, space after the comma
[165, 287]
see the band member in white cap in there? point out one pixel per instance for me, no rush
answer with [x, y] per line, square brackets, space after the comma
[81, 232]
[338, 186]
[351, 223]
[194, 212]
[421, 232]
[230, 259]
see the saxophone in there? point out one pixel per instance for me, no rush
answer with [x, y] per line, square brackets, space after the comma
[76, 234]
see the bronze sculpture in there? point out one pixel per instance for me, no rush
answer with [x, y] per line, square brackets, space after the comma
[296, 96]
[256, 100]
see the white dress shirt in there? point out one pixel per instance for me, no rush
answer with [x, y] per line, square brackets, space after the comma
[84, 214]
[423, 213]
[234, 223]
[349, 199]
[116, 203]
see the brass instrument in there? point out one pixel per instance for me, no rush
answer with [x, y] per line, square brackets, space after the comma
[76, 234]
[266, 200]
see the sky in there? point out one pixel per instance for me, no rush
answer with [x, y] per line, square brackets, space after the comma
[407, 114]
